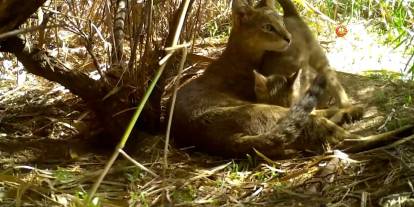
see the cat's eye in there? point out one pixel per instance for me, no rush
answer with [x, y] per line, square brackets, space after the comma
[269, 28]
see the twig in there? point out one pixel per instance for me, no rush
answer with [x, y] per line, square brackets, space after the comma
[177, 83]
[150, 4]
[254, 194]
[184, 45]
[323, 16]
[54, 11]
[137, 113]
[106, 44]
[364, 198]
[207, 173]
[27, 30]
[411, 57]
[264, 157]
[388, 119]
[165, 59]
[393, 145]
[95, 60]
[137, 163]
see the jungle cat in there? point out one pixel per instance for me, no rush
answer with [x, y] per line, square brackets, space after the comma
[216, 112]
[304, 53]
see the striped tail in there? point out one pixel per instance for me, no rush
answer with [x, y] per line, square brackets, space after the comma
[289, 9]
[292, 125]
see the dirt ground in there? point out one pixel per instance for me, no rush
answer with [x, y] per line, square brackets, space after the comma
[47, 158]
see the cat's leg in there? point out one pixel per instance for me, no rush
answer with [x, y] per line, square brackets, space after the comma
[340, 115]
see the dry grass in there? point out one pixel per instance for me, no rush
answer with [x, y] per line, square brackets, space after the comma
[47, 161]
[49, 154]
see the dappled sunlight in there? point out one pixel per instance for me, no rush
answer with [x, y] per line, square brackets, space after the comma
[362, 49]
[366, 91]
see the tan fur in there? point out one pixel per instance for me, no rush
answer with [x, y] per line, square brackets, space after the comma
[278, 90]
[216, 111]
[304, 53]
[274, 89]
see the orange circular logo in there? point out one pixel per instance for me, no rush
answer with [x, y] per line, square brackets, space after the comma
[341, 30]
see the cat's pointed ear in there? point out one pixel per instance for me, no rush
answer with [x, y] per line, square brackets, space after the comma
[240, 3]
[241, 12]
[260, 81]
[267, 3]
[292, 78]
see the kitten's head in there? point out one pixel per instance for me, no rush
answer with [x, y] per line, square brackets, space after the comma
[274, 89]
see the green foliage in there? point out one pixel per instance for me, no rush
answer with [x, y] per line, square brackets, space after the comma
[236, 169]
[144, 200]
[265, 176]
[134, 174]
[252, 160]
[185, 194]
[216, 30]
[408, 99]
[382, 74]
[380, 98]
[63, 175]
[84, 196]
[243, 165]
[217, 21]
[410, 65]
[139, 199]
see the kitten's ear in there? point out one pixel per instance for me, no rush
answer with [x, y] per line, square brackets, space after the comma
[240, 3]
[291, 79]
[267, 3]
[241, 12]
[250, 2]
[260, 82]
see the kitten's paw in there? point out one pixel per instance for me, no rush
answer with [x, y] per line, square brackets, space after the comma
[348, 115]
